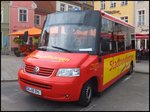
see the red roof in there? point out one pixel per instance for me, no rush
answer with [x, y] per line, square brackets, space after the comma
[45, 7]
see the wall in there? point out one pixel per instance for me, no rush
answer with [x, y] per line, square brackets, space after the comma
[44, 8]
[42, 19]
[15, 25]
[126, 10]
[66, 4]
[143, 5]
[5, 23]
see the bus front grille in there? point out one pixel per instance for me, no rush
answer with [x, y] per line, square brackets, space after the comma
[42, 71]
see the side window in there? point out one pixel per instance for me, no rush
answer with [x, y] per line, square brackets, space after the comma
[130, 37]
[106, 46]
[121, 46]
[106, 26]
[119, 37]
[114, 46]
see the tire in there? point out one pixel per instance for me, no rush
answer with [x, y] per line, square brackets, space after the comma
[131, 69]
[86, 94]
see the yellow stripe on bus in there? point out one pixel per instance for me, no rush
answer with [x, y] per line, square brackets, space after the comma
[115, 65]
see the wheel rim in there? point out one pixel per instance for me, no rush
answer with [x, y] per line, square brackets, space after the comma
[88, 93]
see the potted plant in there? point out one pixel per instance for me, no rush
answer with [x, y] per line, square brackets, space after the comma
[19, 41]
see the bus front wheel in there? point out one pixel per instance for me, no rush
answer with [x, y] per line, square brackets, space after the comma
[86, 94]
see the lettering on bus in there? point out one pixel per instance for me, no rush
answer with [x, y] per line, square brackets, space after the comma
[114, 64]
[58, 59]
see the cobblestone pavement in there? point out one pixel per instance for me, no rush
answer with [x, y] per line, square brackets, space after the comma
[130, 93]
[142, 67]
[10, 66]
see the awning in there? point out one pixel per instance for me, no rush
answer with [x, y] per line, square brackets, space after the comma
[142, 36]
[31, 32]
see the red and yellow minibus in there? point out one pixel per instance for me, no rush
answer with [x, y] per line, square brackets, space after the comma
[80, 53]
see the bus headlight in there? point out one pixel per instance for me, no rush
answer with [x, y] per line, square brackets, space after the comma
[68, 72]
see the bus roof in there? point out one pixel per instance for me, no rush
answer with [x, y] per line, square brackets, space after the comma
[113, 18]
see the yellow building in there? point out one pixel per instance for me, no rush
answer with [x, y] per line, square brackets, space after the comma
[87, 5]
[120, 9]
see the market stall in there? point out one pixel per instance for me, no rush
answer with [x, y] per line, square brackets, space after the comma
[26, 45]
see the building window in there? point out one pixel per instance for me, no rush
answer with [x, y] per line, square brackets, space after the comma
[112, 4]
[125, 19]
[2, 15]
[23, 15]
[102, 4]
[69, 8]
[124, 2]
[141, 17]
[62, 7]
[37, 20]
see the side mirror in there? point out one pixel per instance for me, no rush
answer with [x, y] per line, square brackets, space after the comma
[25, 36]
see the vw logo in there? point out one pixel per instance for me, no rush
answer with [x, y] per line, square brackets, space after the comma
[36, 70]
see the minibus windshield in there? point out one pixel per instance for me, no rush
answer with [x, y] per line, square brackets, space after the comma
[68, 38]
[71, 32]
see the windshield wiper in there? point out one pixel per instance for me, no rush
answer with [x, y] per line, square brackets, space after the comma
[61, 48]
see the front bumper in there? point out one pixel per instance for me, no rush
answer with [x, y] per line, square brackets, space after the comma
[53, 88]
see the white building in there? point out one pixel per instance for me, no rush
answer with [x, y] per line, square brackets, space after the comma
[142, 24]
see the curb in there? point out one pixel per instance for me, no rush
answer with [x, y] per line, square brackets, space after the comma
[141, 72]
[9, 80]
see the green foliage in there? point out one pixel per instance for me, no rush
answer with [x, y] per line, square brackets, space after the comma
[19, 41]
[35, 40]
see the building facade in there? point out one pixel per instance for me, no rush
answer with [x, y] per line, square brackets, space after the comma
[87, 5]
[4, 26]
[43, 8]
[142, 24]
[120, 9]
[75, 5]
[21, 17]
[26, 14]
[62, 6]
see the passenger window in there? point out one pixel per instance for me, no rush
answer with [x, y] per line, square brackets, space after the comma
[121, 46]
[106, 46]
[114, 49]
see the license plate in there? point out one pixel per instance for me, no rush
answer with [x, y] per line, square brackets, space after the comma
[32, 90]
